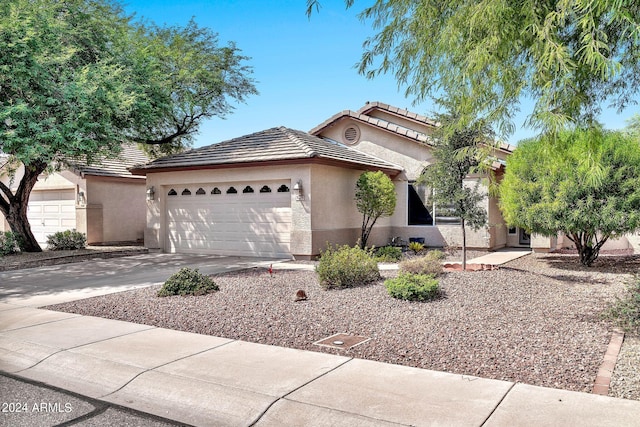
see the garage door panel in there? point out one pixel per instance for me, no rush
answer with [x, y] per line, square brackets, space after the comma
[50, 212]
[236, 224]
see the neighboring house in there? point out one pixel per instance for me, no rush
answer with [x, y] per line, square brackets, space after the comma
[104, 200]
[283, 192]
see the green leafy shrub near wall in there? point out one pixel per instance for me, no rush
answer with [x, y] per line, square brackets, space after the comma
[413, 287]
[416, 247]
[188, 282]
[422, 265]
[66, 240]
[436, 254]
[388, 254]
[345, 267]
[8, 243]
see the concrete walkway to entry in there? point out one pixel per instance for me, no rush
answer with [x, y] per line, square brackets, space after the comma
[500, 257]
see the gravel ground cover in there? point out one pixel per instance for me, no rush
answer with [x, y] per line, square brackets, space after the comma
[536, 320]
[625, 382]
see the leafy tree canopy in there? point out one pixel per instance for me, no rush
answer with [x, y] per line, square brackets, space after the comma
[585, 185]
[568, 56]
[375, 198]
[78, 78]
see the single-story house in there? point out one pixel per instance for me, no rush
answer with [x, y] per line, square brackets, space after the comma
[103, 200]
[287, 193]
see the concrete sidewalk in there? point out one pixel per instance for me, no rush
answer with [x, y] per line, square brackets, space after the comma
[209, 381]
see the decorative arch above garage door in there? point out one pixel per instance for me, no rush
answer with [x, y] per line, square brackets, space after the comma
[237, 218]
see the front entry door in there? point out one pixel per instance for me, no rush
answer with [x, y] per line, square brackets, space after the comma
[524, 238]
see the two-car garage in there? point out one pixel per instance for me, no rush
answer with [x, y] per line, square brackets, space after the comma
[235, 218]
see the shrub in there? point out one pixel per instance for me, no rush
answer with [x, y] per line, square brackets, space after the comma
[345, 267]
[388, 254]
[187, 282]
[413, 287]
[422, 265]
[436, 255]
[416, 247]
[66, 240]
[626, 311]
[8, 243]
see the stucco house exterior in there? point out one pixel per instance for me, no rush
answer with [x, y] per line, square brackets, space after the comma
[104, 201]
[287, 193]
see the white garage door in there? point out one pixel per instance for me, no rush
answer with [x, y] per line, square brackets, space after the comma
[244, 218]
[51, 211]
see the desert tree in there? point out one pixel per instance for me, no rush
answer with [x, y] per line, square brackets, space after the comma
[584, 184]
[375, 198]
[79, 78]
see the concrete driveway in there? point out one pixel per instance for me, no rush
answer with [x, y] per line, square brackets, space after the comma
[36, 287]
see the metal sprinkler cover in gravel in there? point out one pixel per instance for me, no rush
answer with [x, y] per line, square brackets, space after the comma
[342, 341]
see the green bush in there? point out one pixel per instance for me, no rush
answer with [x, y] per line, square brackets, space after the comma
[413, 287]
[66, 240]
[626, 311]
[388, 254]
[436, 254]
[416, 247]
[8, 243]
[187, 282]
[422, 265]
[345, 267]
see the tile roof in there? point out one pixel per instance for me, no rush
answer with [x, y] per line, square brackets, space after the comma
[377, 122]
[399, 111]
[363, 116]
[275, 144]
[118, 167]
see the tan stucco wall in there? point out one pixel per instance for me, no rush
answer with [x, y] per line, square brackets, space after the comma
[334, 216]
[116, 209]
[412, 156]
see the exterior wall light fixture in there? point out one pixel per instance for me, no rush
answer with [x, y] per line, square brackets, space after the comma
[151, 194]
[298, 191]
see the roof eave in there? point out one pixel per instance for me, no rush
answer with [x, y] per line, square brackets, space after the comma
[391, 171]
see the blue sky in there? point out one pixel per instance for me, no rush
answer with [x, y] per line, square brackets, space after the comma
[304, 68]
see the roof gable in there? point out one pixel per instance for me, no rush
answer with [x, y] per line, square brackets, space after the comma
[275, 144]
[403, 123]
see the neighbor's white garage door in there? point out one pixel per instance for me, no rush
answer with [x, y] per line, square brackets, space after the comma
[248, 219]
[51, 211]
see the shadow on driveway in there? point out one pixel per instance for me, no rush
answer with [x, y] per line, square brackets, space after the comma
[69, 282]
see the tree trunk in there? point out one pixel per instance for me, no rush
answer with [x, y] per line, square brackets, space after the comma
[17, 214]
[464, 246]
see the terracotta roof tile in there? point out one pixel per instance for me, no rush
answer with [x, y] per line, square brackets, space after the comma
[279, 143]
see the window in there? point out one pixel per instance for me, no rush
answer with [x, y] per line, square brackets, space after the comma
[265, 189]
[513, 230]
[216, 191]
[186, 192]
[420, 205]
[283, 189]
[232, 190]
[200, 192]
[423, 211]
[172, 192]
[247, 189]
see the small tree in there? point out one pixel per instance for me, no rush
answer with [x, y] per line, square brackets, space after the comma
[375, 198]
[456, 155]
[584, 183]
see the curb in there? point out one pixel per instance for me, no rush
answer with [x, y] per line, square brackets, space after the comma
[603, 379]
